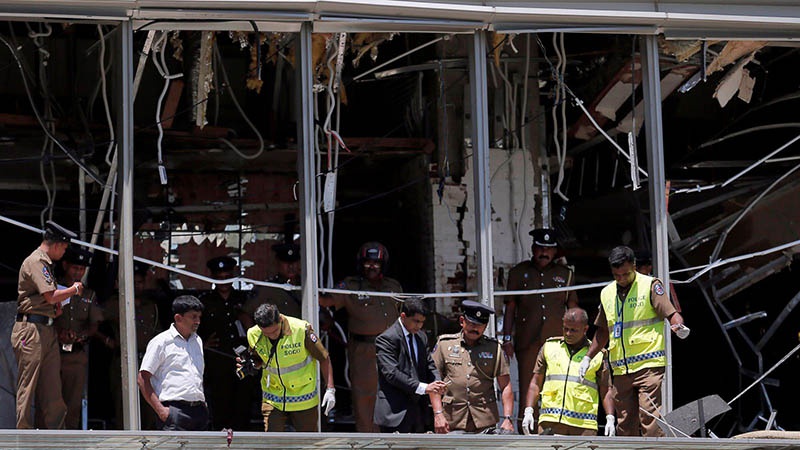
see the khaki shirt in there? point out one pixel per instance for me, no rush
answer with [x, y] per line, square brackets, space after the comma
[539, 316]
[367, 315]
[145, 319]
[80, 313]
[35, 278]
[471, 371]
[658, 298]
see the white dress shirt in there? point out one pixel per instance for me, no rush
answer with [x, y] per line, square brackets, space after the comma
[176, 365]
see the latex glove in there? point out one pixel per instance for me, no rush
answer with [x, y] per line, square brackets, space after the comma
[584, 366]
[329, 400]
[681, 330]
[611, 428]
[527, 421]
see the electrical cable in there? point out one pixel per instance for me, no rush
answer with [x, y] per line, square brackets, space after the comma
[227, 84]
[159, 50]
[106, 106]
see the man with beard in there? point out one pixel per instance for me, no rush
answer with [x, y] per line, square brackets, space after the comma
[368, 317]
[535, 317]
[469, 362]
[222, 332]
[171, 376]
[569, 402]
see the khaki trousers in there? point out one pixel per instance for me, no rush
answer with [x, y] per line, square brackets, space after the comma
[73, 379]
[641, 388]
[526, 360]
[551, 428]
[275, 419]
[364, 382]
[39, 376]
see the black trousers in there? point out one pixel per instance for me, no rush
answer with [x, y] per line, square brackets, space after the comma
[185, 416]
[413, 422]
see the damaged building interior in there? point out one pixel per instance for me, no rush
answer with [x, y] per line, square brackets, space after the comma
[217, 135]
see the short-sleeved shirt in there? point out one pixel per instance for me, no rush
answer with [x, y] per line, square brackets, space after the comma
[538, 317]
[36, 278]
[176, 365]
[311, 342]
[80, 313]
[472, 371]
[603, 373]
[368, 316]
[658, 298]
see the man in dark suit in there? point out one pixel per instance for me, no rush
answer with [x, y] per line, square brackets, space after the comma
[405, 372]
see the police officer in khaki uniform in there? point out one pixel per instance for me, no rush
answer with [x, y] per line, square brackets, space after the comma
[535, 317]
[33, 337]
[368, 317]
[222, 331]
[470, 362]
[147, 327]
[289, 302]
[76, 324]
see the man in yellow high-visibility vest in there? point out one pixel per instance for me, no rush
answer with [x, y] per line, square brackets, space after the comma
[631, 320]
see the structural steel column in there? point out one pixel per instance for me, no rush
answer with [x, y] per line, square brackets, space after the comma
[306, 172]
[130, 361]
[651, 81]
[480, 168]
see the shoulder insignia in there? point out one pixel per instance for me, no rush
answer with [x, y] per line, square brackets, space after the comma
[555, 338]
[46, 274]
[313, 337]
[341, 285]
[658, 288]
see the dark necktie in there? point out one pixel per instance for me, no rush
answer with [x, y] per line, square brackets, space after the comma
[411, 349]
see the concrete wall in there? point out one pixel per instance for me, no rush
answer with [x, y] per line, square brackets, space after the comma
[8, 366]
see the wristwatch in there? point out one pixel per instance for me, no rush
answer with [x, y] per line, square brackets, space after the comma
[507, 338]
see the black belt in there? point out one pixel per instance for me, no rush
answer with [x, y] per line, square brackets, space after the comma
[363, 337]
[184, 403]
[35, 318]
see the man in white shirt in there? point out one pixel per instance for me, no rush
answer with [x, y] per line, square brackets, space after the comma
[171, 376]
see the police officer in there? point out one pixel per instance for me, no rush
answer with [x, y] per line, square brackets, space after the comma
[290, 302]
[569, 401]
[631, 320]
[222, 331]
[34, 338]
[77, 323]
[368, 317]
[535, 317]
[470, 362]
[147, 325]
[286, 348]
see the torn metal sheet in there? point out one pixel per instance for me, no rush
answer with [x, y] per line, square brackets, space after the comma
[669, 84]
[204, 80]
[729, 85]
[693, 416]
[746, 86]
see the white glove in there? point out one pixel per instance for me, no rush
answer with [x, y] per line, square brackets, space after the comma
[527, 421]
[611, 429]
[682, 331]
[584, 366]
[329, 400]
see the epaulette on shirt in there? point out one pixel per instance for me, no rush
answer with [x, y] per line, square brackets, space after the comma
[555, 338]
[445, 337]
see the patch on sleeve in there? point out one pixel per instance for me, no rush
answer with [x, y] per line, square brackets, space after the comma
[46, 274]
[313, 337]
[658, 289]
[341, 285]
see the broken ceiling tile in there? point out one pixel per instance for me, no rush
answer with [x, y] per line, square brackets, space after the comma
[733, 51]
[746, 86]
[668, 85]
[729, 85]
[616, 96]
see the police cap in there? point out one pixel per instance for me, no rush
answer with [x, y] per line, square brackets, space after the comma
[56, 233]
[287, 252]
[78, 256]
[476, 312]
[140, 268]
[544, 237]
[221, 264]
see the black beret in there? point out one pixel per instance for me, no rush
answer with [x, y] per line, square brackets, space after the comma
[221, 264]
[476, 312]
[55, 232]
[77, 255]
[544, 237]
[287, 252]
[140, 268]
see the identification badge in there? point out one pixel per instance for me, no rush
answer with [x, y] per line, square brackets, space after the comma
[618, 330]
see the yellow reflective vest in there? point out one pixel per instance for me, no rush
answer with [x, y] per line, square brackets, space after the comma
[635, 332]
[289, 376]
[566, 398]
